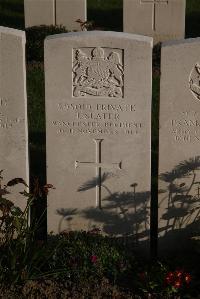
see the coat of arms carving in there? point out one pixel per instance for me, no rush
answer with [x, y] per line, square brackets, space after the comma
[194, 81]
[97, 73]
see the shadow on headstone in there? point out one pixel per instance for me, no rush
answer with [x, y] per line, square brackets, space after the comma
[181, 217]
[122, 213]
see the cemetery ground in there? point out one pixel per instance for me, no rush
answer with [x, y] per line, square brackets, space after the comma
[83, 264]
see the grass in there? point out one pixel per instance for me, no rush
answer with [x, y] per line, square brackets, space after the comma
[81, 262]
[35, 77]
[12, 13]
[192, 18]
[36, 118]
[100, 11]
[108, 15]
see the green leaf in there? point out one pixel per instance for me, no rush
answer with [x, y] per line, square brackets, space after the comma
[16, 211]
[17, 223]
[5, 202]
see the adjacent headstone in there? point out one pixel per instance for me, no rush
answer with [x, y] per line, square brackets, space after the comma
[55, 12]
[98, 113]
[162, 19]
[39, 12]
[179, 158]
[69, 11]
[13, 111]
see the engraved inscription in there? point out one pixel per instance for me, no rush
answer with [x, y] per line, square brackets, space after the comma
[5, 121]
[186, 128]
[96, 118]
[98, 72]
[194, 81]
[98, 165]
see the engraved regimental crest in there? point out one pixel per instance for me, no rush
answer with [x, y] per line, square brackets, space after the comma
[194, 81]
[98, 72]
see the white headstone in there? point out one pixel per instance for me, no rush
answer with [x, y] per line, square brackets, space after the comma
[161, 19]
[179, 159]
[55, 12]
[98, 113]
[39, 12]
[13, 110]
[68, 11]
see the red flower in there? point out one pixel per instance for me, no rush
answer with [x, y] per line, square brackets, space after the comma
[169, 277]
[93, 259]
[177, 284]
[188, 278]
[179, 273]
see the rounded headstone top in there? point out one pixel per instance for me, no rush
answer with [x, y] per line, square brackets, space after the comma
[13, 31]
[101, 34]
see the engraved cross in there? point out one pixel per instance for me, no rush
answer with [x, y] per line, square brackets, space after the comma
[198, 190]
[155, 3]
[98, 165]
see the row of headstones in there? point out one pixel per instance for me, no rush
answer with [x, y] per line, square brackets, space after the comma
[161, 19]
[98, 126]
[55, 12]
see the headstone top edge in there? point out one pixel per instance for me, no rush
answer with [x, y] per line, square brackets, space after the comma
[98, 34]
[181, 42]
[13, 31]
[34, 0]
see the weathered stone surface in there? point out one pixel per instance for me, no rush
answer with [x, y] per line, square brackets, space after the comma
[179, 159]
[68, 11]
[13, 110]
[39, 12]
[98, 113]
[162, 19]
